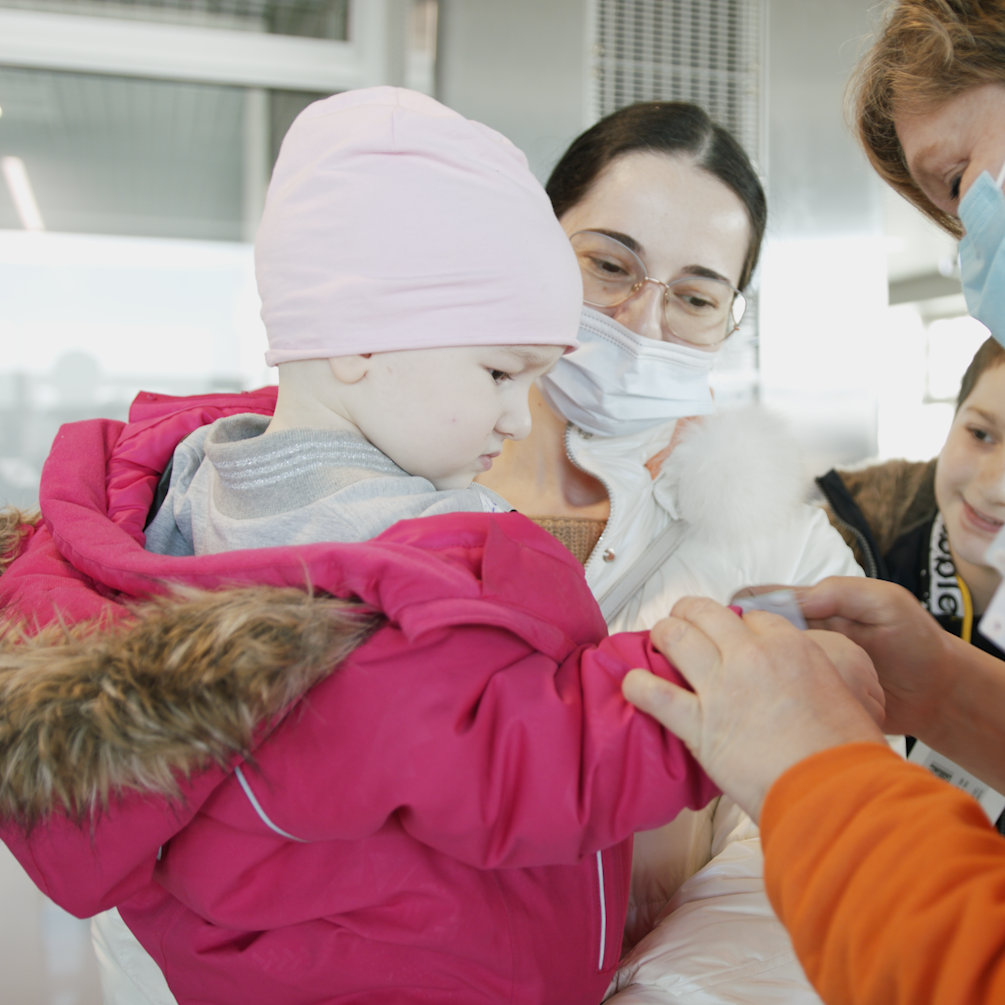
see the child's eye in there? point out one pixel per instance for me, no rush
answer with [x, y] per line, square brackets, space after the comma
[499, 376]
[980, 434]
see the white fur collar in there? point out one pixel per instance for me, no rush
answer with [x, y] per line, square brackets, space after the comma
[735, 476]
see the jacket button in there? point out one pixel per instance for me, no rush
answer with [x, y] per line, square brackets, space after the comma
[608, 555]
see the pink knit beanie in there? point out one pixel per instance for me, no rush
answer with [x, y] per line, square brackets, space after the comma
[392, 222]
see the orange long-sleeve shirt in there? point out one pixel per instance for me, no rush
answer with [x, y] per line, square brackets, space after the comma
[891, 883]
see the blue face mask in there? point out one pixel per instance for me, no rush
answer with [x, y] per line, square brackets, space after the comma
[982, 252]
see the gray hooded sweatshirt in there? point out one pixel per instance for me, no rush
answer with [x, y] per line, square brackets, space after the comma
[233, 488]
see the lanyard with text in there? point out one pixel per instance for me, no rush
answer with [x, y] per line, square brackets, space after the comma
[992, 626]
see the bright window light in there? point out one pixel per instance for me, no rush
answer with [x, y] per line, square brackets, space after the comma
[952, 343]
[21, 192]
[88, 321]
[922, 366]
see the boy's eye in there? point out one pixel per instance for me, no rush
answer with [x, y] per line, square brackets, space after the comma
[499, 375]
[980, 434]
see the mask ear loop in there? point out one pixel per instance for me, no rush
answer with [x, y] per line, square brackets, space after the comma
[1001, 177]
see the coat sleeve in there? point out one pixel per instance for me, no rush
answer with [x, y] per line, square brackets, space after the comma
[481, 746]
[88, 866]
[891, 882]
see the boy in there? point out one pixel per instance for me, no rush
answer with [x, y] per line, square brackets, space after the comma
[928, 525]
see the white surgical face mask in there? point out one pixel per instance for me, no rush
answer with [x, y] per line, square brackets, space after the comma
[619, 383]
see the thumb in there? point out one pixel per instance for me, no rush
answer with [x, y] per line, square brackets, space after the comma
[672, 706]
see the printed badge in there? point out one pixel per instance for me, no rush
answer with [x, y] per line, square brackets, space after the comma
[991, 801]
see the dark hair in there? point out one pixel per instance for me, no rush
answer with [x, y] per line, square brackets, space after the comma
[990, 355]
[665, 127]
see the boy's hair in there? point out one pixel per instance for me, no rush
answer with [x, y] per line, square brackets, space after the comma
[990, 355]
[927, 52]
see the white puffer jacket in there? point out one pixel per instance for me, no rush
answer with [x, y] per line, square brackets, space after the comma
[736, 482]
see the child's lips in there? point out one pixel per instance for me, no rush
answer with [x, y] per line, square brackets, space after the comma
[981, 521]
[486, 460]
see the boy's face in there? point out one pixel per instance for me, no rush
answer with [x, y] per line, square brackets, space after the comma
[970, 477]
[444, 414]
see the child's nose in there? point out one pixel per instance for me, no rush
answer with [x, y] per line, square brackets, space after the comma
[644, 314]
[515, 422]
[993, 477]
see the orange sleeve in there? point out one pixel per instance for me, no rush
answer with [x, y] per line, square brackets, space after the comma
[891, 883]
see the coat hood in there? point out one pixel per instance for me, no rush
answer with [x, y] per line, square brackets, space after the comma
[134, 702]
[120, 670]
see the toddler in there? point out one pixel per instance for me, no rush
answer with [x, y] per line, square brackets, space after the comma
[414, 284]
[447, 817]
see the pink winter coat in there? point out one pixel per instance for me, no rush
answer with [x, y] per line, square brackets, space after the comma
[445, 818]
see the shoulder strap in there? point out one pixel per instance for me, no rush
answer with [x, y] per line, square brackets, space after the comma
[623, 589]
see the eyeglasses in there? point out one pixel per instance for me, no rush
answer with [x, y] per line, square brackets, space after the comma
[697, 309]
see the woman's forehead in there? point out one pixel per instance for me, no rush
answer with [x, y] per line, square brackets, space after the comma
[669, 208]
[949, 137]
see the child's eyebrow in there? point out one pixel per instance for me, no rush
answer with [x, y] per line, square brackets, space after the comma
[531, 355]
[988, 417]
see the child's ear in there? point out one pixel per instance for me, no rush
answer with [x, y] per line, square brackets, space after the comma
[350, 369]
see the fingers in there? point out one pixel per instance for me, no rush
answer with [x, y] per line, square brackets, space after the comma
[853, 599]
[673, 707]
[856, 670]
[713, 620]
[699, 631]
[688, 648]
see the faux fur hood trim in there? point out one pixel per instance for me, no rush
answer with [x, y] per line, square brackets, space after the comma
[190, 679]
[894, 497]
[15, 526]
[735, 476]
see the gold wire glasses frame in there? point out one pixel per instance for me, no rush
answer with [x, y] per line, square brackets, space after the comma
[697, 309]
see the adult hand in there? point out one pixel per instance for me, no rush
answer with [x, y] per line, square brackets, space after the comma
[765, 696]
[856, 670]
[851, 661]
[938, 687]
[911, 652]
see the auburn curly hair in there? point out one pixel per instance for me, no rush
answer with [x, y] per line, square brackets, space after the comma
[926, 52]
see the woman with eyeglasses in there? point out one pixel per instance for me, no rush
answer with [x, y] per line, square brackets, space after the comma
[666, 215]
[891, 881]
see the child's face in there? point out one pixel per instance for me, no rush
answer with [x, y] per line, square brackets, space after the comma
[970, 477]
[444, 413]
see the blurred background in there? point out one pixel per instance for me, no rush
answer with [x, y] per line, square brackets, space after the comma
[136, 142]
[137, 138]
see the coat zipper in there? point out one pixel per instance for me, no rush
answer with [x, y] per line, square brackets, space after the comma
[603, 911]
[607, 488]
[871, 568]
